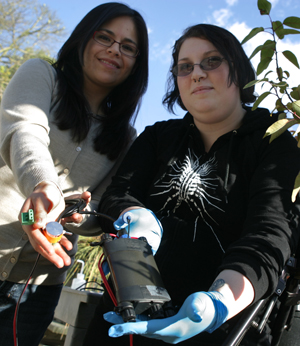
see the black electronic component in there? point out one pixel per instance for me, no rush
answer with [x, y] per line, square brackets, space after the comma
[136, 279]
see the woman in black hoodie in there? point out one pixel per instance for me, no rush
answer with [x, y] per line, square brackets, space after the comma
[221, 192]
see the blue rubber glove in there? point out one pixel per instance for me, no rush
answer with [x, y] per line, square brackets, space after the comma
[142, 223]
[201, 311]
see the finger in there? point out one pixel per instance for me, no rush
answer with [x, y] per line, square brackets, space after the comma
[42, 246]
[60, 252]
[120, 223]
[38, 241]
[75, 218]
[65, 242]
[87, 196]
[128, 328]
[113, 318]
[195, 310]
[40, 212]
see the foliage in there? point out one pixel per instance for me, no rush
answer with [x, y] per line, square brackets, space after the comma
[27, 30]
[287, 97]
[90, 255]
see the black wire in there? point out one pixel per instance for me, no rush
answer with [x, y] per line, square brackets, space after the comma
[21, 295]
[77, 205]
[73, 206]
[98, 214]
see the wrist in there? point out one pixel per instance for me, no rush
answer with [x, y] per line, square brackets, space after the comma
[46, 183]
[221, 310]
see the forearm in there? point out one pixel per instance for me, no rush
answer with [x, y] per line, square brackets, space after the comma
[236, 289]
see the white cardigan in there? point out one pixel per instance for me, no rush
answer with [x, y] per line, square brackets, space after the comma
[33, 149]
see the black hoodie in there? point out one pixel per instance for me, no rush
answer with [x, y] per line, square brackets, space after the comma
[229, 208]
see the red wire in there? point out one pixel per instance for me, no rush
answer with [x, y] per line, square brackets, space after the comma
[15, 330]
[106, 284]
[110, 292]
[16, 314]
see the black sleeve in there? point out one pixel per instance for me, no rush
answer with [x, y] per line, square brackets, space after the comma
[130, 185]
[271, 230]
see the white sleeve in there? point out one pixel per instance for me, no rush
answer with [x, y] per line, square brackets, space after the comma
[24, 125]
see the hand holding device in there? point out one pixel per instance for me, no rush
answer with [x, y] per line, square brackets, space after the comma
[201, 311]
[138, 223]
[47, 203]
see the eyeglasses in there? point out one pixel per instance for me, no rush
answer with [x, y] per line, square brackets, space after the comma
[206, 64]
[125, 48]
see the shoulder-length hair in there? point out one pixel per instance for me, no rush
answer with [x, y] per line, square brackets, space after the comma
[241, 70]
[121, 106]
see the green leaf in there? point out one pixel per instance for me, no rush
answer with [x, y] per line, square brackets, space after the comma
[256, 50]
[260, 99]
[282, 116]
[267, 74]
[296, 187]
[278, 28]
[291, 57]
[250, 84]
[268, 45]
[290, 32]
[295, 107]
[264, 63]
[264, 7]
[252, 33]
[279, 72]
[267, 53]
[286, 73]
[296, 93]
[276, 129]
[293, 22]
[279, 106]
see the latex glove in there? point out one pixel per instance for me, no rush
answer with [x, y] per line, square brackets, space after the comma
[201, 311]
[142, 223]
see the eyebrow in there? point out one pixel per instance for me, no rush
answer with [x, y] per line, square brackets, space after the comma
[126, 39]
[205, 54]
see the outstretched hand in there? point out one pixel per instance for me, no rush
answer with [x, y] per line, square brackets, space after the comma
[201, 311]
[47, 203]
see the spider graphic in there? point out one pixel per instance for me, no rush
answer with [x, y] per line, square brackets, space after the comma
[190, 183]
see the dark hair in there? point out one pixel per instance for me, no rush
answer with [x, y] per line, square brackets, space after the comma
[241, 70]
[121, 106]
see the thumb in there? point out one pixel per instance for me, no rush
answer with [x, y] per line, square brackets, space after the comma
[197, 305]
[120, 223]
[124, 219]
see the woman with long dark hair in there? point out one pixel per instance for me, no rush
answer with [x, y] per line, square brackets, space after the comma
[64, 129]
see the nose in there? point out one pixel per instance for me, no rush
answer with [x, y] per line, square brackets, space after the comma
[198, 73]
[114, 48]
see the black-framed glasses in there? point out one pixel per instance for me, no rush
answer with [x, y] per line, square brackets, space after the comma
[125, 48]
[206, 64]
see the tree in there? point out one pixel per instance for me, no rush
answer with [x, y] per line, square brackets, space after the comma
[287, 97]
[27, 30]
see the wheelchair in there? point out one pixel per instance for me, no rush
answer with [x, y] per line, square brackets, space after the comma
[281, 311]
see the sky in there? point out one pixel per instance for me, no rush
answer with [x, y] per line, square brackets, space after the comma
[167, 19]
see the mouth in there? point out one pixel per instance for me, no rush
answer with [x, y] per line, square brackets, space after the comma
[202, 89]
[110, 63]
